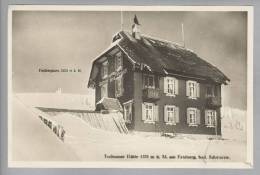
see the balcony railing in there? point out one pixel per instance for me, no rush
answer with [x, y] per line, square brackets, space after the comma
[150, 93]
[213, 101]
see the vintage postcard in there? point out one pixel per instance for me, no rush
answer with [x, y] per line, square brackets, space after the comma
[130, 86]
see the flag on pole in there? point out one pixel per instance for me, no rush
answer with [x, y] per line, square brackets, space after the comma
[136, 20]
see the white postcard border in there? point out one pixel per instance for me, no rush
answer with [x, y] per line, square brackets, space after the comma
[117, 164]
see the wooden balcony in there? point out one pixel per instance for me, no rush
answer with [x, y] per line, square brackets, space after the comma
[213, 102]
[151, 94]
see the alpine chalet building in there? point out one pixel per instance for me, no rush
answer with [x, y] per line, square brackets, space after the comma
[161, 86]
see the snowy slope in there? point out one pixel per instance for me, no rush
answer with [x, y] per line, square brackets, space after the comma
[92, 144]
[32, 140]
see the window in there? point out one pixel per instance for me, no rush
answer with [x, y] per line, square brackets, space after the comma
[211, 91]
[119, 86]
[149, 81]
[104, 70]
[149, 112]
[170, 86]
[118, 61]
[215, 91]
[210, 118]
[128, 111]
[104, 90]
[193, 116]
[171, 114]
[192, 89]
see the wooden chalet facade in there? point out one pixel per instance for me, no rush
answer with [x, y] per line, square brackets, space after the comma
[162, 86]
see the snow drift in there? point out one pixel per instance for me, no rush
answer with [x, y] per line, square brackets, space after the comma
[32, 141]
[233, 123]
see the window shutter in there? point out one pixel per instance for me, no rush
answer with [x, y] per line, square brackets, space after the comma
[198, 116]
[176, 87]
[156, 113]
[188, 116]
[176, 113]
[215, 117]
[198, 89]
[156, 81]
[165, 85]
[165, 114]
[143, 112]
[206, 117]
[187, 88]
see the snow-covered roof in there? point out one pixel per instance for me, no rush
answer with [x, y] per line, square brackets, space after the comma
[109, 104]
[156, 55]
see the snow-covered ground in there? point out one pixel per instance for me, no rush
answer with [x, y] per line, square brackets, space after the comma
[233, 123]
[33, 140]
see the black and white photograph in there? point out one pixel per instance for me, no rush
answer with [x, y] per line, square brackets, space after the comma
[130, 86]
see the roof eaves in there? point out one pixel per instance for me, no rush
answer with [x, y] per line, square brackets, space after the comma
[186, 76]
[112, 45]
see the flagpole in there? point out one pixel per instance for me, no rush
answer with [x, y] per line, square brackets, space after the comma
[121, 19]
[183, 37]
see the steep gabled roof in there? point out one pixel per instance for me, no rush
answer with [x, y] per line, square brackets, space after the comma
[163, 56]
[166, 57]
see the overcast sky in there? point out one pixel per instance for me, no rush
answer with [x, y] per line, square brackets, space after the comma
[55, 40]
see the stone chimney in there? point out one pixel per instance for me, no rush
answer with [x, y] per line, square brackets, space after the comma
[136, 32]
